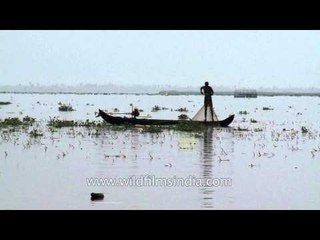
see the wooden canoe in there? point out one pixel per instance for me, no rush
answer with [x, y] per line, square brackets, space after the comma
[135, 121]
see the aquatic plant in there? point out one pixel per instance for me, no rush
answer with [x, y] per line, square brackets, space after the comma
[5, 103]
[304, 129]
[10, 122]
[35, 133]
[182, 109]
[57, 123]
[66, 108]
[156, 108]
[28, 119]
[241, 129]
[244, 112]
[258, 129]
[183, 117]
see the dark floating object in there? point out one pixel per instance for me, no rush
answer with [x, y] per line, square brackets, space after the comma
[97, 196]
[124, 120]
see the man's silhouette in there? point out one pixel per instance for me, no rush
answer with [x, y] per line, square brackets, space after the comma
[207, 91]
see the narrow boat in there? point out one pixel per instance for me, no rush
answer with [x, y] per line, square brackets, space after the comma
[135, 121]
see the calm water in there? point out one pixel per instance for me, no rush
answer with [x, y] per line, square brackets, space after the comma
[269, 168]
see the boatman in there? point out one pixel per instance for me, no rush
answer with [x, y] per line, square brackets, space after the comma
[207, 91]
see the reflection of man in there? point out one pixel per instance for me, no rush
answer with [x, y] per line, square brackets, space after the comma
[207, 91]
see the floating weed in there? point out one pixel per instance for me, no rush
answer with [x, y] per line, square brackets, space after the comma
[57, 123]
[16, 122]
[183, 117]
[241, 129]
[11, 122]
[267, 108]
[156, 108]
[244, 112]
[253, 120]
[258, 129]
[28, 120]
[182, 109]
[65, 108]
[35, 133]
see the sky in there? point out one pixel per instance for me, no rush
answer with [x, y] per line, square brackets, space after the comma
[239, 58]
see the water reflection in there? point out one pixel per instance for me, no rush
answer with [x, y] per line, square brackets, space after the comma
[206, 168]
[216, 146]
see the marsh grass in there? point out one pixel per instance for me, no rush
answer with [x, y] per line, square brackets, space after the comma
[183, 117]
[28, 120]
[16, 122]
[243, 112]
[182, 109]
[241, 129]
[156, 108]
[258, 129]
[65, 108]
[57, 123]
[35, 133]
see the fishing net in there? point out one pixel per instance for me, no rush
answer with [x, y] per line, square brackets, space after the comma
[200, 115]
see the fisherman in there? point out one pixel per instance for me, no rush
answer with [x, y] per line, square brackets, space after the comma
[207, 91]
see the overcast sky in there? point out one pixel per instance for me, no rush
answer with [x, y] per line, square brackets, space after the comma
[183, 58]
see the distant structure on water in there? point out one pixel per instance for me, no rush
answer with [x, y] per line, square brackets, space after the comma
[245, 93]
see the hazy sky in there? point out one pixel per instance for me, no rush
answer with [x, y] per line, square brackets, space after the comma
[183, 58]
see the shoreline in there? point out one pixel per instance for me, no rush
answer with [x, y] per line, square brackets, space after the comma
[168, 93]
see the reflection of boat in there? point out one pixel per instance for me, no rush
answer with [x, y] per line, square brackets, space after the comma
[124, 120]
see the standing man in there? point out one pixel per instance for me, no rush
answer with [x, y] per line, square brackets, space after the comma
[207, 91]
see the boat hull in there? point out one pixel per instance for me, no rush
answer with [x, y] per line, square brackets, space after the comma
[134, 121]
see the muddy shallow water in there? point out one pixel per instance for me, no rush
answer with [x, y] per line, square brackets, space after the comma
[272, 165]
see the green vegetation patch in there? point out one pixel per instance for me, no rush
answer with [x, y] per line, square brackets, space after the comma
[244, 112]
[57, 123]
[183, 117]
[35, 133]
[182, 109]
[15, 122]
[253, 120]
[156, 108]
[65, 108]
